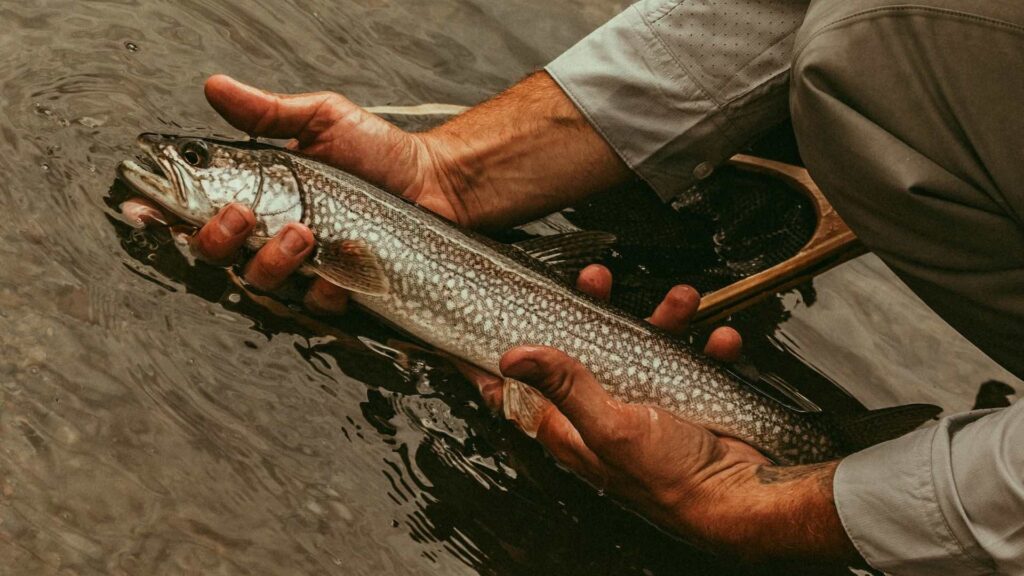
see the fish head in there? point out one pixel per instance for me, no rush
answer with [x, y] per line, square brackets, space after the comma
[195, 177]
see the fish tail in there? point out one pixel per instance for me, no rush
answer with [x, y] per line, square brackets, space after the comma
[524, 405]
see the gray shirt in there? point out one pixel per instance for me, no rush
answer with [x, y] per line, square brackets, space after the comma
[678, 86]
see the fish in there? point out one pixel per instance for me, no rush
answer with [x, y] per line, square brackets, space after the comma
[474, 298]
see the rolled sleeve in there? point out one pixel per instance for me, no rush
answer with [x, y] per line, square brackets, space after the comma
[943, 500]
[678, 86]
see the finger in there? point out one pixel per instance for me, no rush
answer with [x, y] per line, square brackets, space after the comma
[220, 238]
[595, 280]
[141, 212]
[261, 113]
[561, 439]
[572, 388]
[324, 297]
[675, 311]
[281, 256]
[491, 387]
[724, 344]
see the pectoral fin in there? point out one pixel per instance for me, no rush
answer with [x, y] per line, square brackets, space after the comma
[772, 386]
[351, 265]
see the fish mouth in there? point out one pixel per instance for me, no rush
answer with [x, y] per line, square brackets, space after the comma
[150, 178]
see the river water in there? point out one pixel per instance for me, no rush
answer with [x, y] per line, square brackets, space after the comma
[155, 421]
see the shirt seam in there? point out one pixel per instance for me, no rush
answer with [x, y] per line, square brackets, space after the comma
[965, 552]
[840, 507]
[671, 8]
[903, 10]
[718, 115]
[685, 69]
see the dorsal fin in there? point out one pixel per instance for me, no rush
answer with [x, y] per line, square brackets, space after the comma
[861, 431]
[570, 252]
[856, 431]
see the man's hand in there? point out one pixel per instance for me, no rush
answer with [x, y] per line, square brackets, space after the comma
[713, 491]
[490, 167]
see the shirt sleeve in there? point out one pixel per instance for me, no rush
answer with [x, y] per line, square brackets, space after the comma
[943, 500]
[678, 86]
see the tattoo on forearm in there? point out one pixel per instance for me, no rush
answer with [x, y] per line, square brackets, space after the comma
[767, 474]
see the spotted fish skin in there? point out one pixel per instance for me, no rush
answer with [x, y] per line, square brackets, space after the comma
[476, 299]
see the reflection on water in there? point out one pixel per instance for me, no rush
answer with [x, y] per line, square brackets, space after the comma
[156, 421]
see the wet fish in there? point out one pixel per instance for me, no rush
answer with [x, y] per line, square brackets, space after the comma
[476, 299]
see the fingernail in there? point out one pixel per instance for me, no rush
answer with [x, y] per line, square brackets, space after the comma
[233, 221]
[293, 242]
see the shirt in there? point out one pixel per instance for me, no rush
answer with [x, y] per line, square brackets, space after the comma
[678, 86]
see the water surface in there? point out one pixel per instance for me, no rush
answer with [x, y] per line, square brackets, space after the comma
[155, 421]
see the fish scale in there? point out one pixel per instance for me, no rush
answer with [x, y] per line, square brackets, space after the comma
[475, 298]
[436, 271]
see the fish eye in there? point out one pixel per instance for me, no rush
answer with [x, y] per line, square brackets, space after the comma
[195, 153]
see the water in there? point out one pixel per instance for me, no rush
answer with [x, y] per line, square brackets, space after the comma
[155, 421]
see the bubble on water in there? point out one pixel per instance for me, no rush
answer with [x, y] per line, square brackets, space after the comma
[234, 297]
[131, 46]
[90, 122]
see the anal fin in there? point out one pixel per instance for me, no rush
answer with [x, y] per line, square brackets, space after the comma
[523, 405]
[861, 431]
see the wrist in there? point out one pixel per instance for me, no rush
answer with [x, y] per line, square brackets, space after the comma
[520, 155]
[761, 512]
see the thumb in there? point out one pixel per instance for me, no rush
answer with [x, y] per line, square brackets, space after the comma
[261, 113]
[572, 388]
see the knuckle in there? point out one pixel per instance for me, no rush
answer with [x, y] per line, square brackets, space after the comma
[558, 386]
[561, 381]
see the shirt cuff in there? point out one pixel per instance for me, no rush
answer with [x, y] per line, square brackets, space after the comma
[898, 503]
[645, 105]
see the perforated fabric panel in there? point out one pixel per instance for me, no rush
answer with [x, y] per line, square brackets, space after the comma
[729, 46]
[678, 86]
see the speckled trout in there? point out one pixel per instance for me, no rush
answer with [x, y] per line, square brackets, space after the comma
[475, 298]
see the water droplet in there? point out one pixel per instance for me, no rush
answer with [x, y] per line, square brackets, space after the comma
[234, 297]
[131, 46]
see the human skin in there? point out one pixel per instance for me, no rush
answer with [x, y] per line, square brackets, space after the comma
[492, 167]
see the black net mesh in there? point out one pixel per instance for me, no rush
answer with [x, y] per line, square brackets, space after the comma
[730, 226]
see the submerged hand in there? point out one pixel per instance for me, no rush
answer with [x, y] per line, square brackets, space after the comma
[713, 491]
[672, 315]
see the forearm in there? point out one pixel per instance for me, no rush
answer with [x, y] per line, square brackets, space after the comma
[522, 154]
[778, 513]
